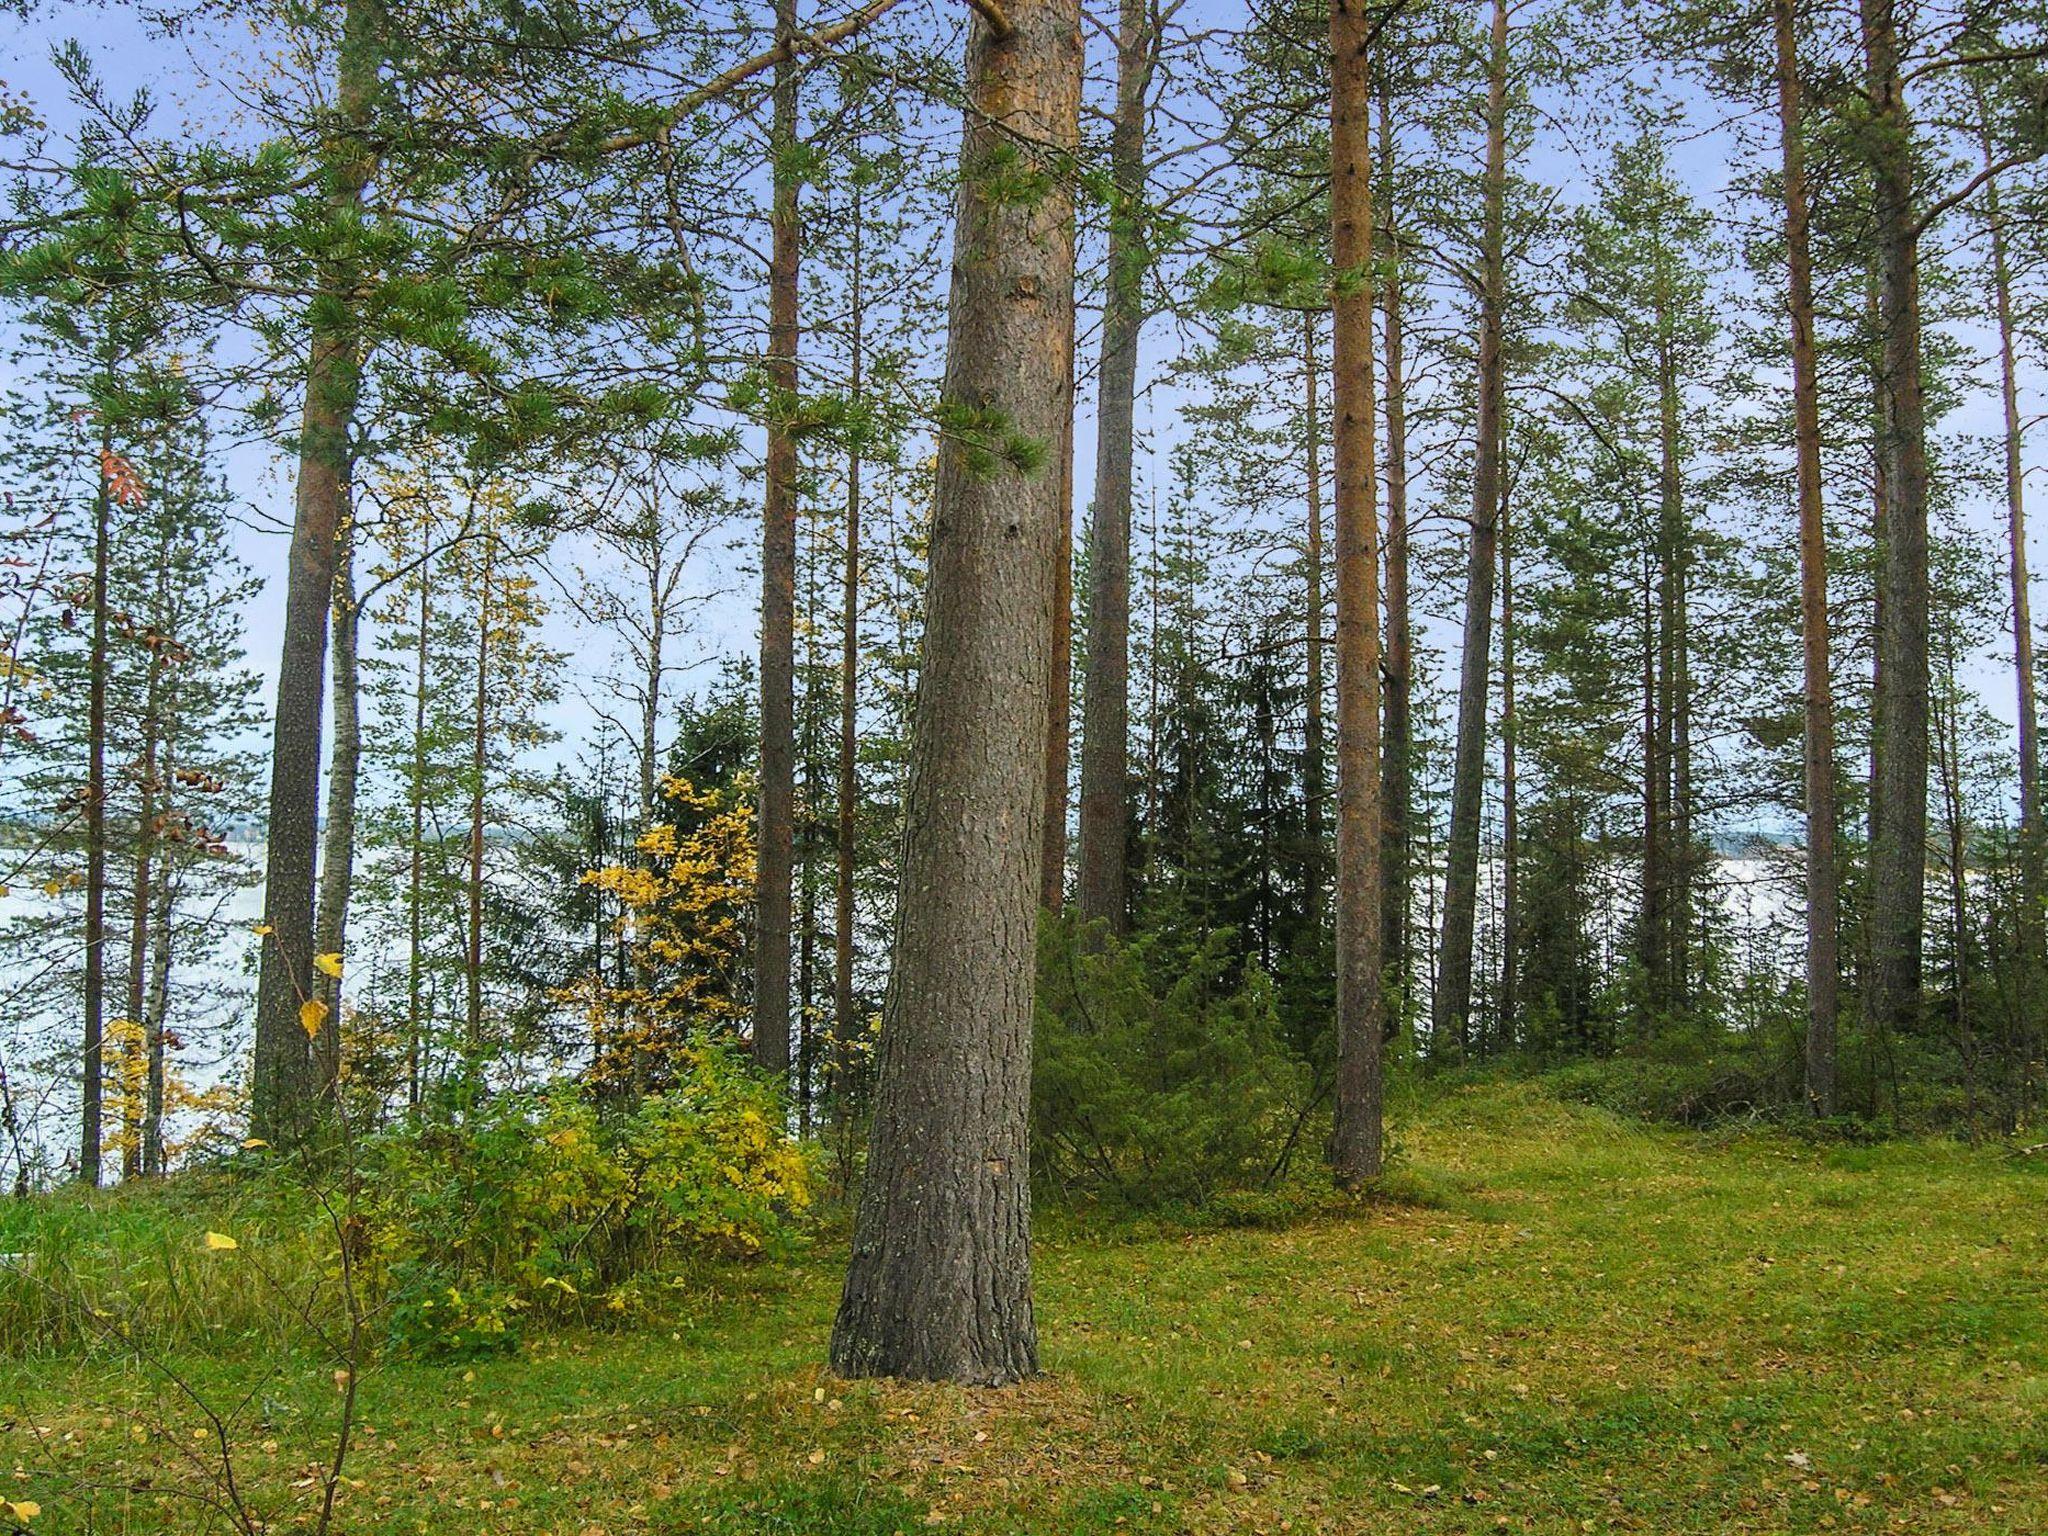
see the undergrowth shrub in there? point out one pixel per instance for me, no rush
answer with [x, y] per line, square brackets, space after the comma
[546, 1204]
[1159, 1077]
[1699, 1090]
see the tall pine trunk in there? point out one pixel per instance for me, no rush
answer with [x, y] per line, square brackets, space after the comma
[1898, 833]
[1451, 999]
[284, 1087]
[777, 827]
[1396, 746]
[939, 1283]
[1105, 689]
[1823, 882]
[1355, 1151]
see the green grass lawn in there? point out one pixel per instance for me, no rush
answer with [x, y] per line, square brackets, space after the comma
[1552, 1321]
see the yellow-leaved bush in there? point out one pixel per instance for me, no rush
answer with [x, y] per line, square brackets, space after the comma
[683, 901]
[567, 1203]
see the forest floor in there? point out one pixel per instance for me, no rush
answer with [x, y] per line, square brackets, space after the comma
[1564, 1322]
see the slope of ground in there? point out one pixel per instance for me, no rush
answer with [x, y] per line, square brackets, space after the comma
[1568, 1323]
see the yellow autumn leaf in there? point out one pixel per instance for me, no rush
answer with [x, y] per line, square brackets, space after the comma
[253, 1143]
[24, 1509]
[263, 930]
[312, 1017]
[220, 1242]
[328, 965]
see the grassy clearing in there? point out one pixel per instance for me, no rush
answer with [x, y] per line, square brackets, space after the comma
[1556, 1321]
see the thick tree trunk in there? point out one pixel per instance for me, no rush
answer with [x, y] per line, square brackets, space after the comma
[1898, 841]
[284, 1085]
[777, 828]
[1355, 1151]
[1396, 746]
[1314, 783]
[92, 1059]
[1451, 999]
[1105, 689]
[1823, 888]
[338, 851]
[939, 1284]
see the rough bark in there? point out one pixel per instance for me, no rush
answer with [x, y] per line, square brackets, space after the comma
[1823, 887]
[939, 1282]
[1451, 999]
[284, 1085]
[775, 859]
[1898, 838]
[1099, 885]
[1355, 1150]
